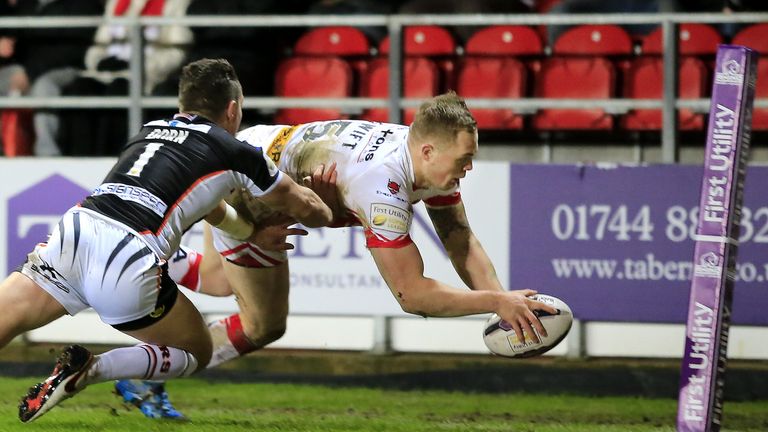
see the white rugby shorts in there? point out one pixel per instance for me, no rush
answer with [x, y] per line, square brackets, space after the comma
[91, 261]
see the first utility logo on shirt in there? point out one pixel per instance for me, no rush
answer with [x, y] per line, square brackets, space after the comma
[390, 218]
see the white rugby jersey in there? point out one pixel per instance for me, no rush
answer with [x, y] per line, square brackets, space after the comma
[375, 171]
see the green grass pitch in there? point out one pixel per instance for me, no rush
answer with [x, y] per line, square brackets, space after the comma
[222, 407]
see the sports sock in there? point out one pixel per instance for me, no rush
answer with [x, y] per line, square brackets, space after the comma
[229, 340]
[184, 268]
[144, 361]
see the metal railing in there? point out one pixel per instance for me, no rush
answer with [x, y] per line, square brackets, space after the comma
[135, 102]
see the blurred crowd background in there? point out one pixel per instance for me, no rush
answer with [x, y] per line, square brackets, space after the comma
[50, 62]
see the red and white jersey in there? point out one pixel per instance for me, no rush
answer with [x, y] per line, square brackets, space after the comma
[375, 171]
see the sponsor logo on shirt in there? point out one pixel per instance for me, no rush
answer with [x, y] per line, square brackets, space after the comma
[390, 218]
[135, 194]
[370, 148]
[389, 195]
[275, 150]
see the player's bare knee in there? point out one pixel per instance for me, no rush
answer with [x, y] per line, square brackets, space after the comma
[7, 333]
[274, 333]
[13, 323]
[261, 333]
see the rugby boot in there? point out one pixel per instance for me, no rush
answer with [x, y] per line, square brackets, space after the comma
[64, 382]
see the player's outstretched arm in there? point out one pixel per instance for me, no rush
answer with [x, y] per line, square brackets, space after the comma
[226, 218]
[403, 270]
[298, 202]
[464, 249]
[271, 233]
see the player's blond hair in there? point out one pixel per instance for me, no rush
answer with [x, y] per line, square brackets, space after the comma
[441, 119]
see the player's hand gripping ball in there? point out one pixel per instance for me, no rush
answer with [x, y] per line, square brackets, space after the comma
[502, 340]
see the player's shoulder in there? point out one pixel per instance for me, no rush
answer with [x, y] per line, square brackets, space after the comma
[383, 183]
[257, 135]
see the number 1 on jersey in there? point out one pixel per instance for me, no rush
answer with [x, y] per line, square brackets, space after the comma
[144, 158]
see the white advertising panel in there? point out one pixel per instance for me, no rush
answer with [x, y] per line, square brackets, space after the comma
[332, 272]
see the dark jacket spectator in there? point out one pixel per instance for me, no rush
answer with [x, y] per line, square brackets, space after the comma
[253, 51]
[43, 49]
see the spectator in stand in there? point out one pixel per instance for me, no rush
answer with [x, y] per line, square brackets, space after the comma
[53, 58]
[13, 79]
[13, 82]
[604, 6]
[466, 7]
[355, 7]
[722, 5]
[728, 30]
[107, 70]
[253, 51]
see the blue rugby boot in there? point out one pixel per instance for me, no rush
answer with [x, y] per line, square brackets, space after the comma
[149, 397]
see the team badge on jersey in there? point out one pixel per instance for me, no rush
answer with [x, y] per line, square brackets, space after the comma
[394, 187]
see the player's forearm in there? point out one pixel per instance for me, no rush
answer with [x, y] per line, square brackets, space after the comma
[313, 212]
[226, 218]
[467, 255]
[474, 266]
[298, 202]
[429, 297]
[217, 214]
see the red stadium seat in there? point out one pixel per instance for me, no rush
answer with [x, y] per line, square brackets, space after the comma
[497, 77]
[421, 80]
[335, 41]
[756, 37]
[594, 40]
[505, 40]
[312, 77]
[433, 42]
[760, 115]
[424, 41]
[347, 42]
[488, 71]
[587, 75]
[644, 80]
[16, 132]
[576, 78]
[695, 39]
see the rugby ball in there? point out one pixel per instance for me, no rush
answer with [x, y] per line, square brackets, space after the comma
[502, 340]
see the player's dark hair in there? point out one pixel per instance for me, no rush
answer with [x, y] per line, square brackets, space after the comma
[207, 86]
[442, 118]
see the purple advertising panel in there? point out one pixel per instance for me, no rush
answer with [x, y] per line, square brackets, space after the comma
[616, 242]
[702, 375]
[33, 212]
